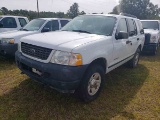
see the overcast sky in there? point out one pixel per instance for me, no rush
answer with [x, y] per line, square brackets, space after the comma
[89, 6]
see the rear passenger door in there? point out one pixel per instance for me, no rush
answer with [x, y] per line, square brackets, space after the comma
[133, 39]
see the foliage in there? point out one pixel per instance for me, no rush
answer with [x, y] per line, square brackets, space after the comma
[73, 11]
[143, 9]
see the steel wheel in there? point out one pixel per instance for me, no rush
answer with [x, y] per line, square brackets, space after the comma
[94, 84]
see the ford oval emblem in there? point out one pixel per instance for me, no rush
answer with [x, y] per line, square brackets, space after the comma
[32, 51]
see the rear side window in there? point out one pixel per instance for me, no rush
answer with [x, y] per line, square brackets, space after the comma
[22, 22]
[55, 25]
[132, 27]
[63, 22]
[9, 22]
[122, 26]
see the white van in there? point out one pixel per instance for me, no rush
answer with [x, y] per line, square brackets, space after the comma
[9, 23]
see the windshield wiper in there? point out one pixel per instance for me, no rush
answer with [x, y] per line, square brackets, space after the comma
[82, 31]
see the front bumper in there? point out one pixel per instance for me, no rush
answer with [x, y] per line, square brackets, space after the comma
[65, 79]
[8, 50]
[149, 47]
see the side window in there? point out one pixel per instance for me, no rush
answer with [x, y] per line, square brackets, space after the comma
[22, 22]
[63, 22]
[122, 26]
[132, 27]
[9, 22]
[55, 25]
[47, 27]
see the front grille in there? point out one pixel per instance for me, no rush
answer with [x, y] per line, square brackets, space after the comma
[147, 38]
[35, 51]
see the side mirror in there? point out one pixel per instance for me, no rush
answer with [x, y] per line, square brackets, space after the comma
[1, 25]
[45, 29]
[142, 31]
[122, 35]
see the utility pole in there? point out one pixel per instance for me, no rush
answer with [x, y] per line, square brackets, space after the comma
[38, 8]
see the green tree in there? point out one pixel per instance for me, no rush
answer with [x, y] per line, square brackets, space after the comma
[82, 13]
[4, 10]
[73, 11]
[143, 9]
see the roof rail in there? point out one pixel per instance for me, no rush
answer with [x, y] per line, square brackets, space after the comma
[129, 15]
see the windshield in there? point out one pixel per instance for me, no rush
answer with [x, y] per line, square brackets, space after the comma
[34, 25]
[101, 25]
[150, 25]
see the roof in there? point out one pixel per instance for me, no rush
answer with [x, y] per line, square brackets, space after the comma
[54, 18]
[113, 15]
[11, 16]
[151, 20]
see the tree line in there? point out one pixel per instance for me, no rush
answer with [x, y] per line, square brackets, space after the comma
[72, 12]
[143, 9]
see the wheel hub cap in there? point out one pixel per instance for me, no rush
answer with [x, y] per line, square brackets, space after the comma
[94, 84]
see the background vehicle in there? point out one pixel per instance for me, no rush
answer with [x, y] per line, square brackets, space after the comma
[76, 58]
[9, 40]
[9, 23]
[152, 35]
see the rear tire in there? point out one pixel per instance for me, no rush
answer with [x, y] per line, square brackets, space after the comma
[134, 61]
[91, 84]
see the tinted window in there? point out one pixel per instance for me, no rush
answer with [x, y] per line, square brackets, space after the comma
[9, 22]
[34, 25]
[132, 27]
[22, 22]
[150, 25]
[55, 25]
[122, 26]
[63, 22]
[101, 25]
[48, 26]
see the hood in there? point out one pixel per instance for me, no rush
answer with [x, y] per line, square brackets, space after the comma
[16, 34]
[61, 40]
[151, 31]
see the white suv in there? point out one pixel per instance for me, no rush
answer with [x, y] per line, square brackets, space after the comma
[76, 58]
[152, 35]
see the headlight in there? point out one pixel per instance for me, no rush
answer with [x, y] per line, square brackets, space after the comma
[154, 39]
[66, 58]
[7, 40]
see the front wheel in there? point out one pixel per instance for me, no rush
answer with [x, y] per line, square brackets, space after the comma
[91, 84]
[134, 61]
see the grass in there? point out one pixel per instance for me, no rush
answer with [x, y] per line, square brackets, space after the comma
[128, 94]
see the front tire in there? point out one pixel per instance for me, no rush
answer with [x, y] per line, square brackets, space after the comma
[134, 61]
[91, 84]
